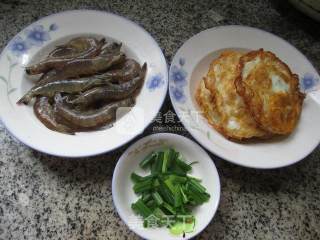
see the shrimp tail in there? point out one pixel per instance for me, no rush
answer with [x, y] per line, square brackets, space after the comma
[25, 99]
[31, 70]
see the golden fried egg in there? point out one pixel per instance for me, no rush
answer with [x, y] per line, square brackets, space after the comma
[208, 108]
[270, 91]
[235, 120]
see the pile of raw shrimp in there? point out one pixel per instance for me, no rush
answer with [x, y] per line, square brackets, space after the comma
[83, 83]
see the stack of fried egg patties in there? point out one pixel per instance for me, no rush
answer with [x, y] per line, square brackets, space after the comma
[250, 95]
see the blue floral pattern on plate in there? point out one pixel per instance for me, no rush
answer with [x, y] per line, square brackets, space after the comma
[178, 80]
[18, 46]
[155, 82]
[178, 94]
[178, 75]
[37, 35]
[34, 36]
[309, 82]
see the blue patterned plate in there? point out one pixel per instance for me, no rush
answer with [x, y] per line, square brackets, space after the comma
[191, 64]
[35, 41]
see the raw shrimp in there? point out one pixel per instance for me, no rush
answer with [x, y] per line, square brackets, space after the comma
[66, 86]
[92, 118]
[125, 71]
[74, 48]
[81, 67]
[45, 113]
[111, 91]
[53, 62]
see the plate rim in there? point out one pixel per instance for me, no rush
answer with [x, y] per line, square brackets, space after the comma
[130, 137]
[190, 130]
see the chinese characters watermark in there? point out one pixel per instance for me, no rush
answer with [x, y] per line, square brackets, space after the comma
[130, 121]
[152, 221]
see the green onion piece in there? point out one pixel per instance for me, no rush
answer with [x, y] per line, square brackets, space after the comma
[196, 179]
[145, 223]
[192, 202]
[158, 199]
[167, 159]
[151, 204]
[197, 185]
[182, 227]
[170, 185]
[176, 169]
[146, 197]
[184, 210]
[184, 166]
[158, 213]
[196, 195]
[194, 162]
[177, 179]
[177, 197]
[143, 186]
[165, 193]
[136, 178]
[140, 208]
[175, 156]
[206, 196]
[157, 164]
[156, 183]
[169, 208]
[148, 160]
[183, 195]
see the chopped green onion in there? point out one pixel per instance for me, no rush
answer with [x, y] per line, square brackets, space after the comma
[185, 167]
[158, 213]
[196, 179]
[167, 159]
[157, 164]
[151, 204]
[177, 179]
[140, 208]
[146, 197]
[166, 194]
[177, 197]
[197, 185]
[156, 183]
[180, 228]
[158, 199]
[169, 184]
[148, 160]
[195, 162]
[168, 190]
[169, 208]
[143, 186]
[136, 178]
[184, 196]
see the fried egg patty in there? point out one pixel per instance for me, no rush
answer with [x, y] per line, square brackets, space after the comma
[208, 107]
[270, 91]
[235, 121]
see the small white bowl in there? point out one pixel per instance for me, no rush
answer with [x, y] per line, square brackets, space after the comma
[37, 40]
[123, 194]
